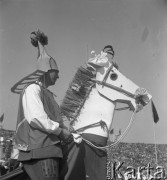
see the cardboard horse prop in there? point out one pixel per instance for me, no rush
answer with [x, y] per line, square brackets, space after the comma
[89, 106]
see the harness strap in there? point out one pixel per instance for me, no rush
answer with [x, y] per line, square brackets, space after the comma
[115, 88]
[108, 147]
[100, 123]
[123, 108]
[107, 74]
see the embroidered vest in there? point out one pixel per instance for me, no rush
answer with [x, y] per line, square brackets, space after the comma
[28, 138]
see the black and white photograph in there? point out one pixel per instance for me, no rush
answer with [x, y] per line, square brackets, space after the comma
[83, 89]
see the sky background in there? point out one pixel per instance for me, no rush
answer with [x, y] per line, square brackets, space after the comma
[137, 30]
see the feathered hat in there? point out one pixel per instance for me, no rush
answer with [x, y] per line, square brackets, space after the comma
[44, 61]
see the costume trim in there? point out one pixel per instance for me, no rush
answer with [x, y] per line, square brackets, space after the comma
[31, 78]
[22, 147]
[20, 124]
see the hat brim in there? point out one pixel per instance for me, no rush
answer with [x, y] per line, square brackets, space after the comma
[19, 86]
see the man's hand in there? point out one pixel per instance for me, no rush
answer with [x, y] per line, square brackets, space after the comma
[65, 136]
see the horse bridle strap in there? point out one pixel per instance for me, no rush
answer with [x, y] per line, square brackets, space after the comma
[115, 88]
[99, 123]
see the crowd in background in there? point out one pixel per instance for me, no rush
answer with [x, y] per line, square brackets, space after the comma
[131, 154]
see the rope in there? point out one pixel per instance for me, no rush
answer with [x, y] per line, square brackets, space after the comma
[119, 139]
[155, 145]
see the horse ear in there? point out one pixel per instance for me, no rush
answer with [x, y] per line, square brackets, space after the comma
[109, 49]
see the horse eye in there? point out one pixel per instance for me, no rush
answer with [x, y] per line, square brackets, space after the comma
[113, 76]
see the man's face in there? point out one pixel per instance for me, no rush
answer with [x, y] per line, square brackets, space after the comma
[52, 77]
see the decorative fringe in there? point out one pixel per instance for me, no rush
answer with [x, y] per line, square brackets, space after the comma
[78, 91]
[38, 36]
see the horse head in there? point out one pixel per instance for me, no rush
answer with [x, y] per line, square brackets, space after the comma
[113, 85]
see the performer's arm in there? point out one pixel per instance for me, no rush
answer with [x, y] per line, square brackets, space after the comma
[34, 111]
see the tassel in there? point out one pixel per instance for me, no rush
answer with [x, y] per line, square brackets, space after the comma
[38, 36]
[1, 118]
[155, 114]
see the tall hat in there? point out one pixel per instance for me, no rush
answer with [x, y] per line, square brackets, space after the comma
[44, 61]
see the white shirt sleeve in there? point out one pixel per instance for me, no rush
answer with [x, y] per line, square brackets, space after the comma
[34, 111]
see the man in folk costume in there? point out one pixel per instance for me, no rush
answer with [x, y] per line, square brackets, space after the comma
[39, 124]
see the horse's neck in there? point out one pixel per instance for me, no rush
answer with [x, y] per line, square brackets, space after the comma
[95, 109]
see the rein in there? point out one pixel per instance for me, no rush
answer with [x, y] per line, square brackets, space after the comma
[108, 147]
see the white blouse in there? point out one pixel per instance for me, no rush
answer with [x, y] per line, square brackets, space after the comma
[34, 111]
